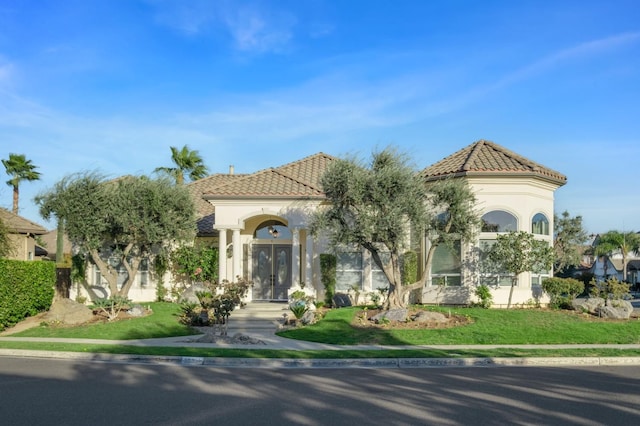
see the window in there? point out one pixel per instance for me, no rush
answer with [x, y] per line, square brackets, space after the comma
[499, 221]
[446, 265]
[348, 270]
[491, 274]
[142, 278]
[540, 224]
[272, 229]
[378, 278]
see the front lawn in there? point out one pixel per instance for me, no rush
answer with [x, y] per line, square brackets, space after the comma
[488, 327]
[163, 322]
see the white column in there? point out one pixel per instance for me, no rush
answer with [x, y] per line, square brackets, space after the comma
[295, 257]
[308, 259]
[237, 255]
[222, 255]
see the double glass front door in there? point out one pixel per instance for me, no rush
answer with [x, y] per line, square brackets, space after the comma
[271, 271]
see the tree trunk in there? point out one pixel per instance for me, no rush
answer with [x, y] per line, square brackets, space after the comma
[16, 197]
[513, 284]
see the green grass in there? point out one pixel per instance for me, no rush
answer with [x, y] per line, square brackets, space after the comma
[319, 354]
[494, 326]
[489, 327]
[162, 323]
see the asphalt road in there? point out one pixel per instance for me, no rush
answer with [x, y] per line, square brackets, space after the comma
[66, 392]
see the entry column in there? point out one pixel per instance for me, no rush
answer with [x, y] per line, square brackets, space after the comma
[222, 255]
[237, 255]
[295, 257]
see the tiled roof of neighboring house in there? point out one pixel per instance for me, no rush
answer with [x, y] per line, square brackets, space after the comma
[19, 224]
[50, 239]
[299, 179]
[485, 158]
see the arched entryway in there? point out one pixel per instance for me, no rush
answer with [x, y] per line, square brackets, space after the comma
[271, 261]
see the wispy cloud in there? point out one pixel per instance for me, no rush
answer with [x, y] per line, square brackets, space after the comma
[252, 27]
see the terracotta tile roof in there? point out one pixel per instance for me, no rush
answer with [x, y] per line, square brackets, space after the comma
[205, 212]
[299, 179]
[488, 158]
[20, 225]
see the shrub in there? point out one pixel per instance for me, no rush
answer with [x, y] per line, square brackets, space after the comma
[610, 289]
[328, 264]
[26, 288]
[484, 294]
[409, 268]
[112, 306]
[562, 291]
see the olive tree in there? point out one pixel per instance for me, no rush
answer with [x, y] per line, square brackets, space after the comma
[377, 206]
[518, 252]
[121, 221]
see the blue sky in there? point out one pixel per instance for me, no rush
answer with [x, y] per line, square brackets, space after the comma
[111, 85]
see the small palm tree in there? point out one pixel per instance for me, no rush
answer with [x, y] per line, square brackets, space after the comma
[187, 162]
[614, 242]
[19, 168]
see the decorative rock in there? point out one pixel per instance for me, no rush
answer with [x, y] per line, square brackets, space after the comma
[136, 311]
[391, 315]
[616, 309]
[427, 316]
[68, 312]
[341, 300]
[308, 318]
[590, 305]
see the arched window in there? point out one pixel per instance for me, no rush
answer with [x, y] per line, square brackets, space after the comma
[540, 224]
[499, 221]
[272, 229]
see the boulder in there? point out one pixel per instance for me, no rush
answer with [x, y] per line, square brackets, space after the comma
[391, 315]
[341, 300]
[616, 309]
[427, 316]
[69, 312]
[136, 311]
[590, 304]
[309, 317]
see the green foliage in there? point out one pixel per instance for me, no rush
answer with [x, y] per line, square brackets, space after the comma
[196, 263]
[299, 308]
[518, 252]
[562, 291]
[614, 242]
[216, 303]
[6, 248]
[570, 237]
[409, 267]
[328, 271]
[121, 221]
[112, 306]
[26, 288]
[377, 206]
[483, 292]
[78, 268]
[19, 168]
[186, 162]
[610, 289]
[160, 267]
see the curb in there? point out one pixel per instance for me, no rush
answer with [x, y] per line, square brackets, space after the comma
[287, 363]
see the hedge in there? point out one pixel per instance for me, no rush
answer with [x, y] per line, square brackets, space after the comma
[26, 288]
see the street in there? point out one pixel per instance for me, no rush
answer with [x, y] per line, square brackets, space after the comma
[64, 392]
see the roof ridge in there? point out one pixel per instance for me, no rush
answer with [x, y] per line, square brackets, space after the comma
[297, 180]
[475, 151]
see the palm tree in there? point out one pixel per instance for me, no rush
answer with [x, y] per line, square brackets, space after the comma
[19, 168]
[614, 242]
[187, 162]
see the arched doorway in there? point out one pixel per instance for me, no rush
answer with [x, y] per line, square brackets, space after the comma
[271, 254]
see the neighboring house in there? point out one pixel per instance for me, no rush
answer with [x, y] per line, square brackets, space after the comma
[260, 221]
[49, 241]
[22, 234]
[605, 267]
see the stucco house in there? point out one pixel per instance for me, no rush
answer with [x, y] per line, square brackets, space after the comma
[260, 223]
[22, 234]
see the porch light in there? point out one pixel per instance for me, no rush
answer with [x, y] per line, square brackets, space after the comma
[273, 231]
